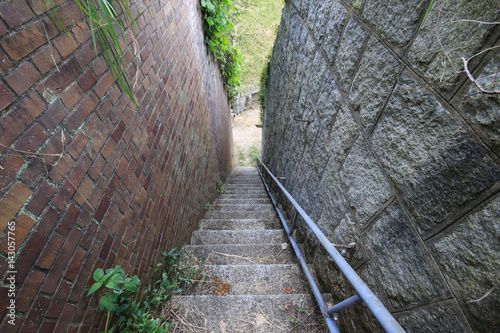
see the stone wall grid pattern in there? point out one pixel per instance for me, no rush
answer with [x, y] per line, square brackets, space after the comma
[400, 155]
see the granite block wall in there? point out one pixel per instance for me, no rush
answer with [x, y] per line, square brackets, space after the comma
[400, 152]
[87, 179]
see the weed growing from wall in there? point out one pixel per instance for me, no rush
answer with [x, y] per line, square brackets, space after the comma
[264, 78]
[219, 36]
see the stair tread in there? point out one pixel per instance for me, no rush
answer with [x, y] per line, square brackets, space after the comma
[238, 236]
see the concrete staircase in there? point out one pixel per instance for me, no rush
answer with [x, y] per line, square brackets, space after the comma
[244, 244]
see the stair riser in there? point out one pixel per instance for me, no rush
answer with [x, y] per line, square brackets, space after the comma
[256, 224]
[242, 201]
[259, 279]
[219, 207]
[200, 237]
[250, 254]
[240, 215]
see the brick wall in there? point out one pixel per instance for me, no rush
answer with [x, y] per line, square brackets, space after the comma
[401, 154]
[87, 179]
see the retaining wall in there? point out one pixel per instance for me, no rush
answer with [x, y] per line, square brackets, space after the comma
[87, 179]
[399, 154]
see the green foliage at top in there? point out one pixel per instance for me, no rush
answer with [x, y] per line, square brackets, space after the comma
[108, 21]
[219, 36]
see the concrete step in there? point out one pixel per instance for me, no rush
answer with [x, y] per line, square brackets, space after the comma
[239, 224]
[251, 313]
[248, 207]
[242, 201]
[237, 185]
[200, 237]
[260, 279]
[247, 196]
[243, 254]
[246, 190]
[240, 215]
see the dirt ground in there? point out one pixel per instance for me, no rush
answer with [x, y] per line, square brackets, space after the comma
[246, 137]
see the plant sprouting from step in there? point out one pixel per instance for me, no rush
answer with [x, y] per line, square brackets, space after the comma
[220, 189]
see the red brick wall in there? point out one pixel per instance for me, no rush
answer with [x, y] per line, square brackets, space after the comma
[129, 182]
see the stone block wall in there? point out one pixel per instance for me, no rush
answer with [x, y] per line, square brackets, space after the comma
[87, 179]
[400, 153]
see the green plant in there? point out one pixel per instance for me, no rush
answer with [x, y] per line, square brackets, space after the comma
[108, 21]
[219, 36]
[119, 290]
[254, 154]
[179, 271]
[207, 205]
[220, 187]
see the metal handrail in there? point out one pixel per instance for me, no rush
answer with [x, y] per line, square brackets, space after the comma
[364, 294]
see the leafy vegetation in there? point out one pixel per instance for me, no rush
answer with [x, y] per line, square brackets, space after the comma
[179, 270]
[108, 21]
[219, 36]
[264, 78]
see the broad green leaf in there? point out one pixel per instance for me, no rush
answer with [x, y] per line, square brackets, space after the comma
[98, 274]
[94, 287]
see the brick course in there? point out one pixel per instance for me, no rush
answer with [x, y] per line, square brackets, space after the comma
[85, 174]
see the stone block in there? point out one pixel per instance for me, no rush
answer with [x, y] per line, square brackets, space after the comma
[482, 109]
[350, 49]
[317, 19]
[432, 159]
[469, 255]
[367, 187]
[404, 282]
[342, 135]
[329, 100]
[334, 199]
[443, 39]
[440, 317]
[374, 81]
[334, 28]
[397, 21]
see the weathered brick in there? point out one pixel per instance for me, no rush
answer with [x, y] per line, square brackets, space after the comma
[64, 320]
[39, 7]
[12, 202]
[118, 131]
[47, 326]
[41, 198]
[76, 264]
[84, 191]
[6, 97]
[91, 124]
[32, 139]
[96, 169]
[35, 243]
[46, 59]
[59, 172]
[35, 315]
[85, 54]
[23, 42]
[77, 117]
[22, 78]
[50, 252]
[115, 94]
[70, 14]
[3, 29]
[87, 80]
[81, 32]
[106, 247]
[104, 84]
[102, 208]
[54, 115]
[72, 96]
[20, 117]
[23, 224]
[5, 63]
[65, 44]
[77, 145]
[68, 219]
[10, 164]
[34, 172]
[15, 13]
[59, 300]
[108, 148]
[99, 66]
[58, 81]
[103, 109]
[29, 290]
